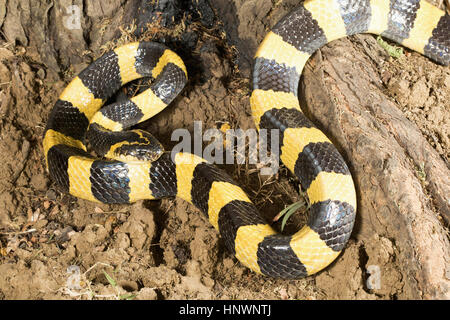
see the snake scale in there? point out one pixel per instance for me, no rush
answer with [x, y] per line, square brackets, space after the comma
[125, 173]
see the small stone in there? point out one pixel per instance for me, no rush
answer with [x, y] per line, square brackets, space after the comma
[400, 88]
[419, 93]
[41, 74]
[40, 224]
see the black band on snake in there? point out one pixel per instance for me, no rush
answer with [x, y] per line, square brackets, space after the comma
[131, 166]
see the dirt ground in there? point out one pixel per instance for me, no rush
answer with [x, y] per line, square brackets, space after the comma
[167, 249]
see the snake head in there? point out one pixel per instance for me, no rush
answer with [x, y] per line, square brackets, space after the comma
[145, 147]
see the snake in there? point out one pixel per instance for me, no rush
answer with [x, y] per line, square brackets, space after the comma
[130, 165]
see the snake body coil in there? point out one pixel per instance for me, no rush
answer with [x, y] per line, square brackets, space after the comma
[306, 151]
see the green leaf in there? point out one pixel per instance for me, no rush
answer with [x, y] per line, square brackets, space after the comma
[289, 211]
[110, 279]
[393, 51]
[127, 296]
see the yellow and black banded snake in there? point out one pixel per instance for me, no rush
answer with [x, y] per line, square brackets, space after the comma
[131, 165]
